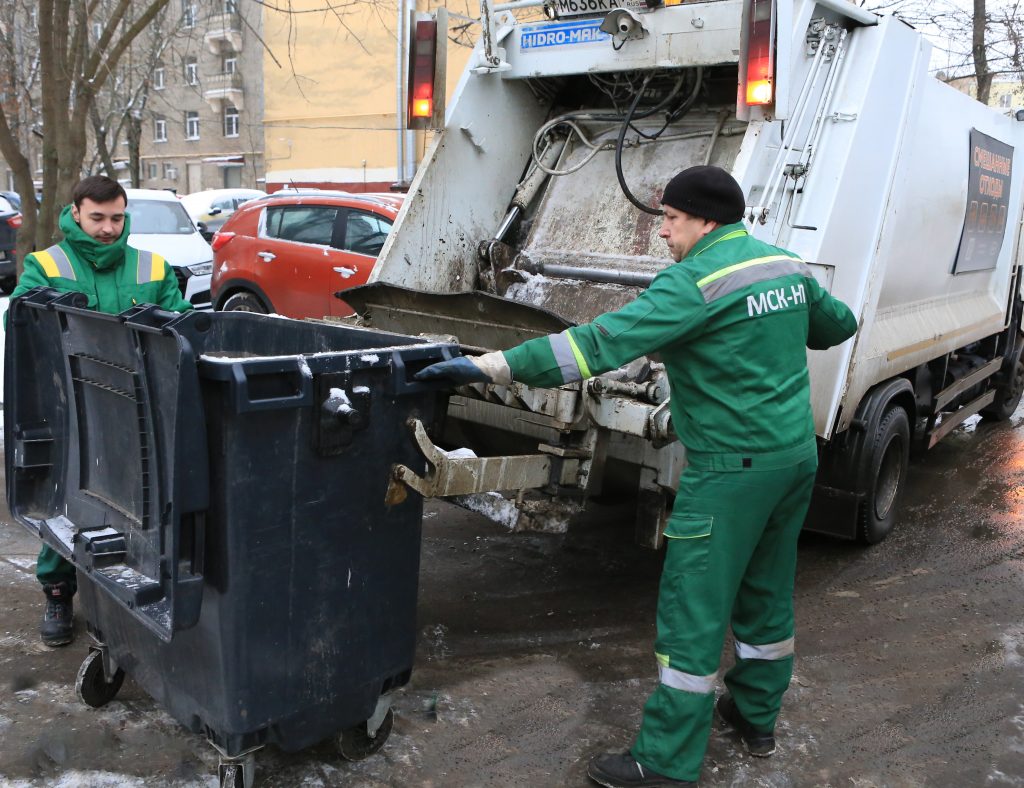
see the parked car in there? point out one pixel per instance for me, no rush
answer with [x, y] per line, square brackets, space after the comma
[160, 224]
[291, 252]
[211, 208]
[10, 221]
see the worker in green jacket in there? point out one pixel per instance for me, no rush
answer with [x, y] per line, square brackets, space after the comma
[732, 321]
[94, 258]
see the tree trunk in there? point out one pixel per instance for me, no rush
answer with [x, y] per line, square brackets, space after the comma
[133, 136]
[981, 70]
[101, 142]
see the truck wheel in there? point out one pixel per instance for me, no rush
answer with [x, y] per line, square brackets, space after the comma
[92, 686]
[1008, 395]
[243, 302]
[885, 463]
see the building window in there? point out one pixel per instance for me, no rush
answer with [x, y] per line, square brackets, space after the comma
[230, 6]
[229, 64]
[170, 171]
[160, 130]
[191, 71]
[10, 181]
[191, 125]
[158, 78]
[1004, 100]
[97, 30]
[230, 121]
[152, 169]
[188, 14]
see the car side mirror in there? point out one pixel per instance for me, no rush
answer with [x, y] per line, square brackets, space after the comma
[204, 231]
[214, 211]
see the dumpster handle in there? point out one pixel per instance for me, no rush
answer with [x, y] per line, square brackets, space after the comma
[402, 380]
[245, 373]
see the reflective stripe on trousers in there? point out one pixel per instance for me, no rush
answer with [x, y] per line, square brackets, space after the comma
[687, 682]
[769, 651]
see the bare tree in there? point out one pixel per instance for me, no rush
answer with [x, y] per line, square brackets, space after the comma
[78, 46]
[980, 39]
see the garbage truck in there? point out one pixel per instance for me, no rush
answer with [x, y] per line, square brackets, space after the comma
[536, 207]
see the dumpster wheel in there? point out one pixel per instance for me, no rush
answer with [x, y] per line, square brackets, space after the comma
[237, 772]
[92, 686]
[356, 743]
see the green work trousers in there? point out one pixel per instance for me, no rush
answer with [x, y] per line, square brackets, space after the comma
[730, 558]
[51, 568]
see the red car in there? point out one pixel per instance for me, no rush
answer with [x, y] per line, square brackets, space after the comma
[291, 252]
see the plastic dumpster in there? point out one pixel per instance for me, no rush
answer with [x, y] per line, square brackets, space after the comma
[219, 481]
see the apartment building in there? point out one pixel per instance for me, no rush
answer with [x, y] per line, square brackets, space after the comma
[332, 114]
[202, 126]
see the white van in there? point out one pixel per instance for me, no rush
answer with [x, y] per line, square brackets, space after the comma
[161, 224]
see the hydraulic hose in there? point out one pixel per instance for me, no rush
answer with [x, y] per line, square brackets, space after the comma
[618, 152]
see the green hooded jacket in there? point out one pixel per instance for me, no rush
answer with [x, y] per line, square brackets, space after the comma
[732, 322]
[114, 276]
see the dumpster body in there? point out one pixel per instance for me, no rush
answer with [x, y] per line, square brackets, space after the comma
[219, 481]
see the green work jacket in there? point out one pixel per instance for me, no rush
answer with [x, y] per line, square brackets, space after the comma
[120, 277]
[732, 322]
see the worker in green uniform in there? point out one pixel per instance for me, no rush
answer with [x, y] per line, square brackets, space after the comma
[732, 320]
[94, 258]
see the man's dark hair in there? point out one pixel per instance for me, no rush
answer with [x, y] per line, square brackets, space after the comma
[98, 188]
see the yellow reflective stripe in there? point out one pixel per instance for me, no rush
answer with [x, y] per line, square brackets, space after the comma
[48, 263]
[157, 272]
[580, 361]
[733, 234]
[662, 659]
[740, 266]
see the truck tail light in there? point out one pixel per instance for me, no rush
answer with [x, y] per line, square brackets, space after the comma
[760, 55]
[220, 240]
[14, 221]
[427, 53]
[421, 71]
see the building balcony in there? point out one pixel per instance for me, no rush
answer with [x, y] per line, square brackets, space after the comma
[224, 33]
[221, 89]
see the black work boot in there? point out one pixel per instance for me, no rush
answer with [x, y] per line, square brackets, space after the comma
[57, 628]
[622, 771]
[757, 743]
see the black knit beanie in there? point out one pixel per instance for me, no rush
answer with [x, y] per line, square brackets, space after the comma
[708, 192]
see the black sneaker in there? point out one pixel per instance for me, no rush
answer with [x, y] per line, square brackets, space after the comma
[57, 628]
[757, 743]
[622, 771]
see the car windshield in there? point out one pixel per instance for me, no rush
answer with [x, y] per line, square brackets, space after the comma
[151, 217]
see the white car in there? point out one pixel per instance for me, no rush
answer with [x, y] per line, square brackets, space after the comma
[161, 224]
[213, 206]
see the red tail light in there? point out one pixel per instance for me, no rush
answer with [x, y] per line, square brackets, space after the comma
[761, 55]
[220, 240]
[421, 74]
[14, 221]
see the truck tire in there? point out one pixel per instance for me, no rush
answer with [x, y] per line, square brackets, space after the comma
[1008, 395]
[885, 461]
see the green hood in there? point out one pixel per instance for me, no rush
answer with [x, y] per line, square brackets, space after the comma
[102, 257]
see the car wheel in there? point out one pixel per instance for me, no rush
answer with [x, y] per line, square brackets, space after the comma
[243, 301]
[7, 285]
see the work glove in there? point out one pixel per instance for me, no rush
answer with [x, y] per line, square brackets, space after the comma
[458, 371]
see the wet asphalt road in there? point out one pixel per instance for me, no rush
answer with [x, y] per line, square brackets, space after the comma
[535, 654]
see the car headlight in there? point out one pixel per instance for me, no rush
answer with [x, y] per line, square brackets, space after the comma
[201, 268]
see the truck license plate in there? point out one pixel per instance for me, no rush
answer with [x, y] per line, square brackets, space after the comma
[570, 8]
